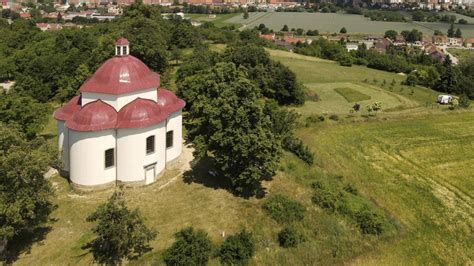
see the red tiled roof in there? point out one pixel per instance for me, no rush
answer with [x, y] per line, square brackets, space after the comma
[65, 112]
[140, 113]
[121, 74]
[122, 41]
[93, 116]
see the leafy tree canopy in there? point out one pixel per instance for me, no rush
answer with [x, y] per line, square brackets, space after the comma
[192, 247]
[120, 232]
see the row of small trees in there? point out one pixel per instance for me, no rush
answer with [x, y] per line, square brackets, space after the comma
[120, 233]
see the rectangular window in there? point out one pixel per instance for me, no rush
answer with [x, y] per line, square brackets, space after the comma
[150, 144]
[109, 158]
[118, 50]
[124, 50]
[169, 139]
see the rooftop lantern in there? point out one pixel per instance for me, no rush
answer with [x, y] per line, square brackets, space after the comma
[122, 47]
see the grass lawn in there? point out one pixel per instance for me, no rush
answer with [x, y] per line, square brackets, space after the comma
[220, 20]
[419, 170]
[352, 95]
[462, 54]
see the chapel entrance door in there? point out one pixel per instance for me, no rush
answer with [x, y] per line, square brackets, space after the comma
[149, 174]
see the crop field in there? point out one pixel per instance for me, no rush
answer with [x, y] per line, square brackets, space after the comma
[333, 22]
[414, 163]
[220, 19]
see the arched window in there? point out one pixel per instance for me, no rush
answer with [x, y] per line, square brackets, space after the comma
[109, 158]
[150, 144]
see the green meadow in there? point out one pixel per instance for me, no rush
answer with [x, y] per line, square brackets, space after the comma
[412, 161]
[333, 22]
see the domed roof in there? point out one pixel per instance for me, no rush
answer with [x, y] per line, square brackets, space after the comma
[121, 74]
[169, 101]
[65, 112]
[140, 113]
[122, 41]
[93, 116]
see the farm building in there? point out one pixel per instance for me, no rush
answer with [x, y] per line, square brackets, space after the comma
[122, 128]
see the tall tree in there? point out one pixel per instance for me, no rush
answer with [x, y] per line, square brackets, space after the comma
[120, 232]
[25, 195]
[451, 30]
[449, 78]
[226, 123]
[458, 33]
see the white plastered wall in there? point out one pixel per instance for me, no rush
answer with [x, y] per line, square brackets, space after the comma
[119, 101]
[175, 123]
[87, 157]
[63, 144]
[132, 157]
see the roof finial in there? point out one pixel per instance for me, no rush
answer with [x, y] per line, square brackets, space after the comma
[122, 47]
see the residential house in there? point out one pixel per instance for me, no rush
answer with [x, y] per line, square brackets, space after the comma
[440, 40]
[382, 45]
[49, 26]
[352, 47]
[270, 37]
[455, 42]
[469, 42]
[25, 15]
[399, 40]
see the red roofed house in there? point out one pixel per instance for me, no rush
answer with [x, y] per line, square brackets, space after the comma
[49, 26]
[270, 36]
[4, 4]
[25, 15]
[123, 128]
[469, 42]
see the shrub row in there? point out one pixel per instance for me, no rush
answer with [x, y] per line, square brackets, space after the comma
[283, 209]
[297, 147]
[194, 247]
[346, 201]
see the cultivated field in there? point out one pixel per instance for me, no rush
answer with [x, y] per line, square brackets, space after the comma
[413, 162]
[333, 22]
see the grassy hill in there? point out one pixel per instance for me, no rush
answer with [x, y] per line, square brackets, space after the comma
[412, 161]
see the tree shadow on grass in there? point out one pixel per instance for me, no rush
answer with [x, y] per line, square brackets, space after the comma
[23, 242]
[204, 172]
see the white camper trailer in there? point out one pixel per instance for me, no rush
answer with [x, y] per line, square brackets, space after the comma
[444, 99]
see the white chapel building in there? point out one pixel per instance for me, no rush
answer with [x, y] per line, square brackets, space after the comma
[122, 128]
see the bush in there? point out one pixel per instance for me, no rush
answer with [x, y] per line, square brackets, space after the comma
[297, 147]
[283, 209]
[192, 247]
[464, 101]
[370, 221]
[290, 237]
[237, 249]
[326, 199]
[334, 117]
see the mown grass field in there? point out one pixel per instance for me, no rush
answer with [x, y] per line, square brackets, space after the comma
[333, 22]
[220, 20]
[414, 163]
[462, 54]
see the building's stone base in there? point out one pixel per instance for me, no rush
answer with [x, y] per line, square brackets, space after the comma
[83, 188]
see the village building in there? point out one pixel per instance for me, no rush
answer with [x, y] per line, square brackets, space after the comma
[123, 128]
[382, 45]
[352, 47]
[49, 26]
[455, 41]
[468, 42]
[440, 40]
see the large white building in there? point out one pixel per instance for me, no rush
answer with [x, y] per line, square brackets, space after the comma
[123, 128]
